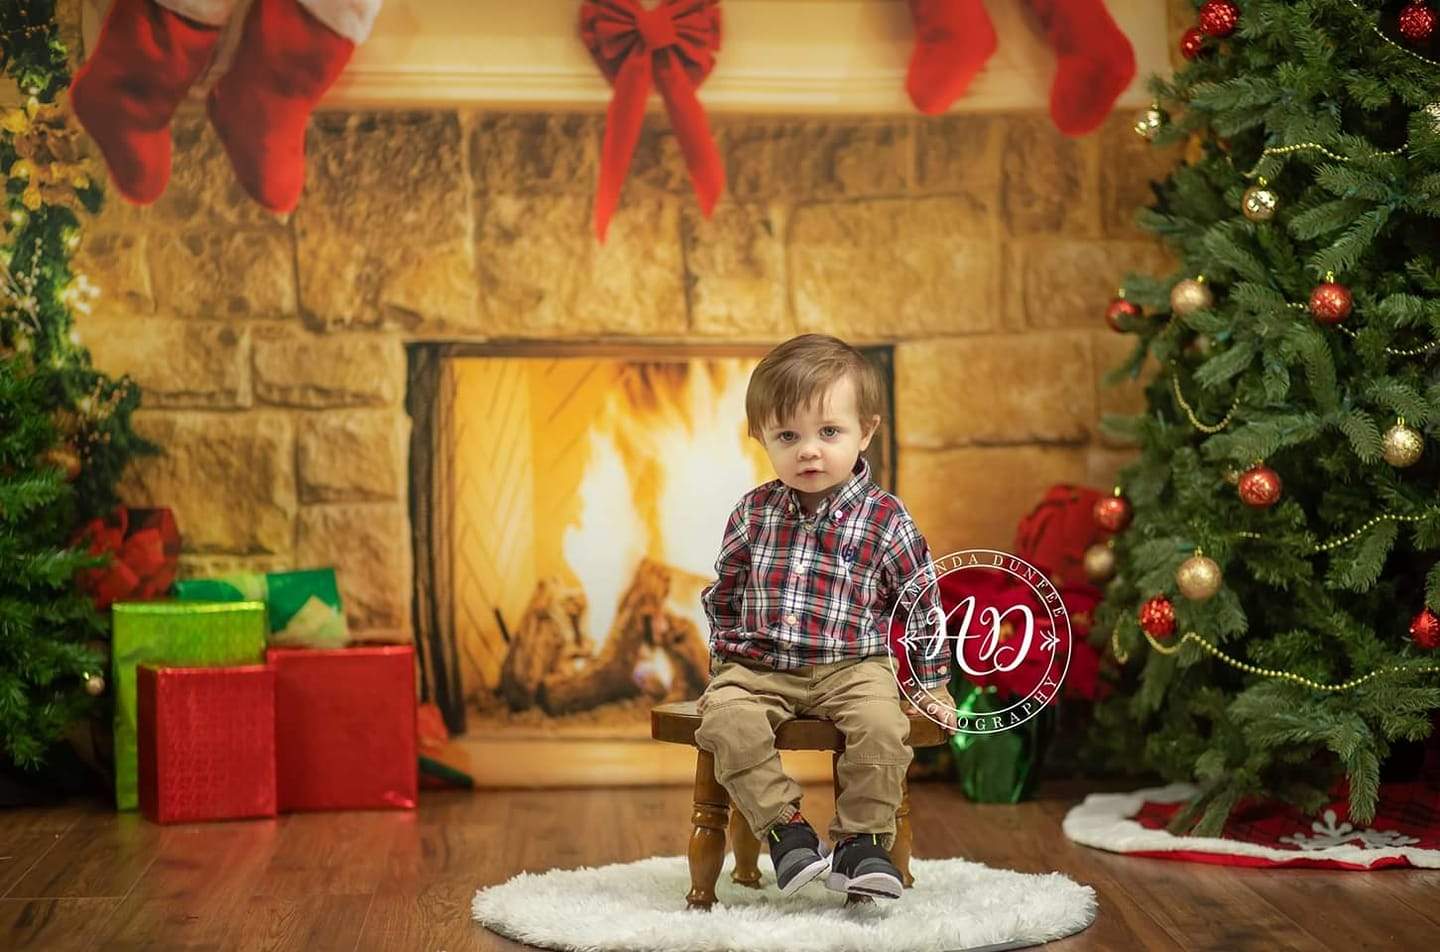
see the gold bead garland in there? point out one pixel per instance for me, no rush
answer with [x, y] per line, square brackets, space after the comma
[1394, 351]
[1289, 149]
[1269, 672]
[1338, 541]
[1190, 413]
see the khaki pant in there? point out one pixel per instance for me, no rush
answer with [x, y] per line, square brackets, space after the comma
[745, 703]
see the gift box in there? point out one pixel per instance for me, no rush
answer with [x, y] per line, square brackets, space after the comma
[345, 727]
[205, 742]
[303, 607]
[144, 550]
[179, 634]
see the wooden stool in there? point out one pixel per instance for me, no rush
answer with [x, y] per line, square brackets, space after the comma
[676, 724]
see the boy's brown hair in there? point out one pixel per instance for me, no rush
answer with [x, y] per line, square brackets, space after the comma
[799, 372]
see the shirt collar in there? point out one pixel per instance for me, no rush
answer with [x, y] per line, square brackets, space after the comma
[837, 504]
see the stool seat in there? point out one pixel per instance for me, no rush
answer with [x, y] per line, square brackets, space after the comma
[676, 723]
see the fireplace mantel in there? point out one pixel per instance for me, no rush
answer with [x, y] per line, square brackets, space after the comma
[779, 56]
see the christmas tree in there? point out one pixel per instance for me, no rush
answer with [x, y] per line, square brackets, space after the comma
[1275, 577]
[65, 430]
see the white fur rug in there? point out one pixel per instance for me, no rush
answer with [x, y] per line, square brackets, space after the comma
[638, 907]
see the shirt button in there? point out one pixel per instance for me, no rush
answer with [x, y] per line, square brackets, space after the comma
[792, 620]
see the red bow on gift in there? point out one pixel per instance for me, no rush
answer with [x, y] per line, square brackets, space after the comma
[674, 44]
[144, 546]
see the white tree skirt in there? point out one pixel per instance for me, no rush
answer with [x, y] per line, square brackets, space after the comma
[637, 907]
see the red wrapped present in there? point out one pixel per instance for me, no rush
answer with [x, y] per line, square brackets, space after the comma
[346, 727]
[144, 550]
[206, 742]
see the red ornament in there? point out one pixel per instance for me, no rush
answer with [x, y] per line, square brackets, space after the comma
[1330, 303]
[1112, 513]
[1417, 22]
[1425, 630]
[1157, 617]
[1259, 487]
[1218, 18]
[1120, 311]
[1192, 44]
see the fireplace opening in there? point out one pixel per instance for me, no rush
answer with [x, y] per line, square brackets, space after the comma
[567, 503]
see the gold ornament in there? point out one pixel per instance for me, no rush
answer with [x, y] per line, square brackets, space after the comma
[1198, 577]
[1099, 562]
[1259, 202]
[1231, 475]
[1402, 445]
[1150, 122]
[1433, 112]
[94, 685]
[1190, 295]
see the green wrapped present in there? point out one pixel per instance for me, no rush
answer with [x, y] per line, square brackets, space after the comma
[1002, 767]
[183, 634]
[303, 607]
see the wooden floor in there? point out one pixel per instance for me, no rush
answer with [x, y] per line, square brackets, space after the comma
[81, 877]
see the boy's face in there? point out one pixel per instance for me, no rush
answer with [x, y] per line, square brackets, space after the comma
[814, 451]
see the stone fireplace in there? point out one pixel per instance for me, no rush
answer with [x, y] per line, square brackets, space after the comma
[280, 358]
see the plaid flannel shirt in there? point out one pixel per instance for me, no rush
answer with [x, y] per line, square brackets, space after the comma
[796, 589]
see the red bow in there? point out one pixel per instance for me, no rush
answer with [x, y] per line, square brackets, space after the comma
[144, 546]
[675, 44]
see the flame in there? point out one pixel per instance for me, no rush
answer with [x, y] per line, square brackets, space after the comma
[688, 447]
[609, 541]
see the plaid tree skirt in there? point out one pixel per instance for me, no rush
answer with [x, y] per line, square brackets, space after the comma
[1405, 831]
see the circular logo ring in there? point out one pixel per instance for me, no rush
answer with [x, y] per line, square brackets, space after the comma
[920, 597]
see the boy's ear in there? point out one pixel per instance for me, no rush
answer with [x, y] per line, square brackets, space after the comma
[869, 431]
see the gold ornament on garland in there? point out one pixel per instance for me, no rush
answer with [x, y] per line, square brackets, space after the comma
[1402, 445]
[1259, 202]
[94, 684]
[1190, 295]
[1150, 122]
[1198, 577]
[1099, 562]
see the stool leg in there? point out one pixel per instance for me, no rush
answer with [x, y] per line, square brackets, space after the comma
[746, 849]
[707, 838]
[904, 839]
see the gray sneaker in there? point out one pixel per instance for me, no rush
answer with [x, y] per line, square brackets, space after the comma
[860, 866]
[797, 855]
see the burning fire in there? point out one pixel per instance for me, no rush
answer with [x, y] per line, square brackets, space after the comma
[685, 455]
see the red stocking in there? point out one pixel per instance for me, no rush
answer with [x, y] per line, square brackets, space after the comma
[286, 61]
[1094, 61]
[953, 39]
[124, 95]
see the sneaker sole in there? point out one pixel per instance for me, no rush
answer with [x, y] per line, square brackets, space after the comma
[875, 885]
[805, 876]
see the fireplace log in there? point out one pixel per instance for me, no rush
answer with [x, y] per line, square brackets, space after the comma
[544, 638]
[690, 655]
[609, 677]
